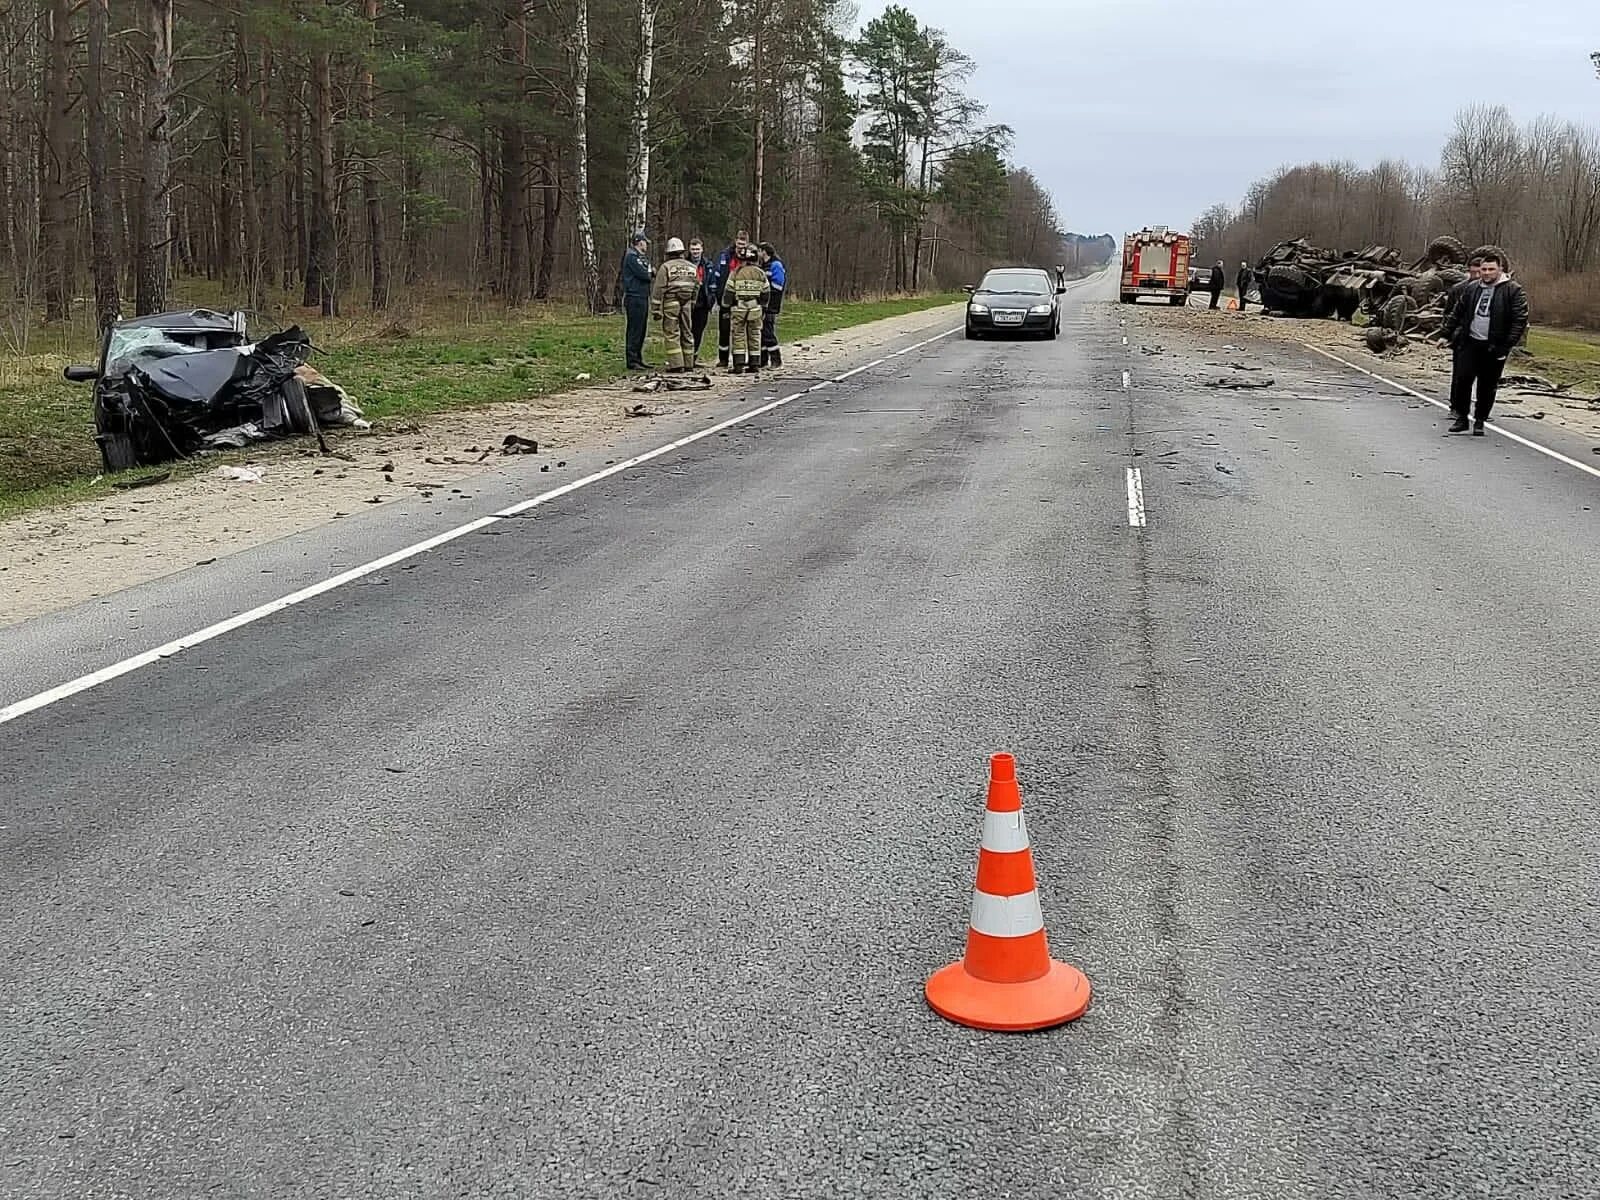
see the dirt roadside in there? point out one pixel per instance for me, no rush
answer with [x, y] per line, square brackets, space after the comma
[1420, 366]
[55, 558]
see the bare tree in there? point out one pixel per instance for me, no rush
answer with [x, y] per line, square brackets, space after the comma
[155, 238]
[55, 214]
[1482, 165]
[102, 223]
[371, 197]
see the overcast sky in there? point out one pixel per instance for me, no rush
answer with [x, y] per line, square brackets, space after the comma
[1136, 112]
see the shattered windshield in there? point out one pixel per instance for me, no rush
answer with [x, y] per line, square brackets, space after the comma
[128, 345]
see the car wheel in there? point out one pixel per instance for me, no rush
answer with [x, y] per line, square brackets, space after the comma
[117, 450]
[301, 418]
[972, 334]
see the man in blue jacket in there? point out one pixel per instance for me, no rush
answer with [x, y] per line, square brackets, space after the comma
[779, 277]
[740, 254]
[637, 276]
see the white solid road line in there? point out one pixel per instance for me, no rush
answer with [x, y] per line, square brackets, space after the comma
[1136, 514]
[1505, 433]
[167, 650]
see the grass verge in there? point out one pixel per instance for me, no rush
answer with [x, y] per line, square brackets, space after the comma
[442, 357]
[1572, 358]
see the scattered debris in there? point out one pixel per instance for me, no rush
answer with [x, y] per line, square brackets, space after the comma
[1228, 381]
[238, 474]
[583, 377]
[515, 443]
[675, 383]
[642, 410]
[127, 485]
[1225, 470]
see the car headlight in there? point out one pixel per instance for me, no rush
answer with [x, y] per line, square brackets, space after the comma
[1040, 310]
[977, 308]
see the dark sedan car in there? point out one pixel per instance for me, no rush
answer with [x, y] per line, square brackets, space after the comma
[1015, 300]
[172, 384]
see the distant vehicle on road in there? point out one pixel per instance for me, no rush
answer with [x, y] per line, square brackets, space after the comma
[1015, 300]
[1155, 262]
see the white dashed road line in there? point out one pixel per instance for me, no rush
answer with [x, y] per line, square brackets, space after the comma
[1136, 513]
[177, 646]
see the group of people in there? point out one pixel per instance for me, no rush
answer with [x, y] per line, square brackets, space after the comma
[1218, 279]
[745, 284]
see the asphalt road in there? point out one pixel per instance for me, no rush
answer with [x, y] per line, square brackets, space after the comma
[603, 852]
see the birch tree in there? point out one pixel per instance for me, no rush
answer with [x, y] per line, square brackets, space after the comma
[580, 121]
[638, 170]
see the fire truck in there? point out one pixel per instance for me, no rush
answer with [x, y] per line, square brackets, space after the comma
[1155, 262]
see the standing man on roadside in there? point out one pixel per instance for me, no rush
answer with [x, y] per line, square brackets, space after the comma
[636, 279]
[702, 303]
[739, 254]
[1489, 319]
[672, 301]
[1243, 281]
[778, 279]
[1218, 280]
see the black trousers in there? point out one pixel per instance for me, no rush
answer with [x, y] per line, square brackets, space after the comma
[1475, 367]
[1215, 298]
[769, 330]
[698, 323]
[724, 335]
[638, 310]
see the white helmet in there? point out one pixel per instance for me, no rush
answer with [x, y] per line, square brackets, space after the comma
[674, 245]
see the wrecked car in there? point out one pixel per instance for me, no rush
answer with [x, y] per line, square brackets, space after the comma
[177, 384]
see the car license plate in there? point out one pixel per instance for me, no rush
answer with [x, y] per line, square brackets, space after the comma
[1008, 318]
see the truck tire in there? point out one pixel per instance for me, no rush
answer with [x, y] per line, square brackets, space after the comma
[1177, 301]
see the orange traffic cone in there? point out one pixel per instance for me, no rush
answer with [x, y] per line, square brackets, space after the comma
[1007, 981]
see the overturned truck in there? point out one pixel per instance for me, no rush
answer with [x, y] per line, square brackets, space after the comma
[1298, 279]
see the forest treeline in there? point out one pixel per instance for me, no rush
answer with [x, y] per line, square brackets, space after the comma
[352, 152]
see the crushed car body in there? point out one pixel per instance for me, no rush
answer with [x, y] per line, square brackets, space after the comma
[177, 384]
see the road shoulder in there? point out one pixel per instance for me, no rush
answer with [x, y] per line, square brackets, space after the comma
[54, 559]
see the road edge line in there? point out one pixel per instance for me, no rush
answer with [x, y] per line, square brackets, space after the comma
[127, 666]
[1490, 425]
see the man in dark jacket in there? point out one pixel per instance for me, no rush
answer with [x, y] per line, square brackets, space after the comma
[636, 279]
[778, 277]
[1242, 281]
[740, 254]
[1453, 296]
[1487, 322]
[703, 302]
[1218, 280]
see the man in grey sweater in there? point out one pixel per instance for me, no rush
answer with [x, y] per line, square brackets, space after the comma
[1486, 323]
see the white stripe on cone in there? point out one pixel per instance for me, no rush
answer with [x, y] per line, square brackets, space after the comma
[1006, 916]
[1004, 832]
